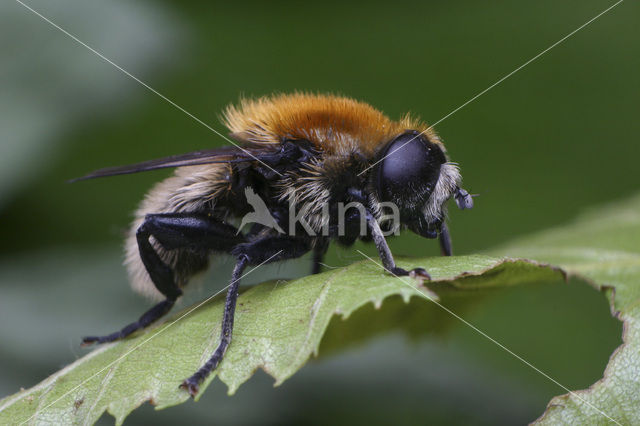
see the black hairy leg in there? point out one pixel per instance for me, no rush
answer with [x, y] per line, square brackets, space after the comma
[319, 251]
[445, 241]
[385, 253]
[153, 314]
[272, 248]
[198, 232]
[192, 384]
[172, 231]
[259, 251]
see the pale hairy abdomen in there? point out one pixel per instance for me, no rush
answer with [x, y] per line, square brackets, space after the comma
[190, 189]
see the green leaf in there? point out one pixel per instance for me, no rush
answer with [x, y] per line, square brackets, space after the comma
[603, 247]
[279, 325]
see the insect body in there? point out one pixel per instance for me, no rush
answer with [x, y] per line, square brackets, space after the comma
[302, 157]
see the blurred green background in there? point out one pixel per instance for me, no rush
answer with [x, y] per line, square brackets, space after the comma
[552, 140]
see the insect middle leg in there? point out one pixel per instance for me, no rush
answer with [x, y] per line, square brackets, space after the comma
[445, 240]
[256, 252]
[172, 231]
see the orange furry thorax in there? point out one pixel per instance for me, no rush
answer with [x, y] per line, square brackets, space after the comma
[333, 124]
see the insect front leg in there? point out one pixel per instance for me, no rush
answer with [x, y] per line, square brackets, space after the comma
[257, 252]
[385, 253]
[171, 231]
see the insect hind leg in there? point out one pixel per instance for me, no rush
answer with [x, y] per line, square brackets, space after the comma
[199, 232]
[146, 319]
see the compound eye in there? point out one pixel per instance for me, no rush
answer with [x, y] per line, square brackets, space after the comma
[409, 169]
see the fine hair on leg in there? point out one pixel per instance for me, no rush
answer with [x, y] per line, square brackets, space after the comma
[192, 384]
